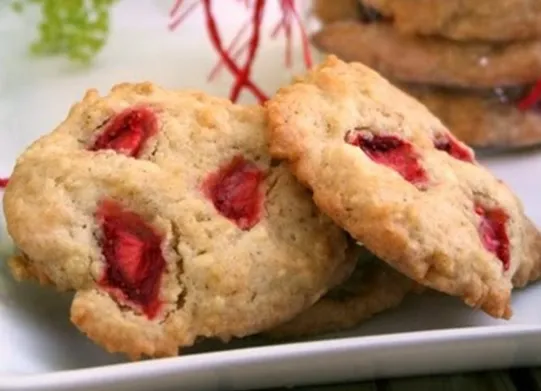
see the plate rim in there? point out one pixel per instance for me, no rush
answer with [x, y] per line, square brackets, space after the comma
[340, 345]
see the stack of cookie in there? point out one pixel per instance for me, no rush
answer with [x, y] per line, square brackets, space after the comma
[474, 64]
[175, 216]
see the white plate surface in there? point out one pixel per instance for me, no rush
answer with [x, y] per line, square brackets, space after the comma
[40, 350]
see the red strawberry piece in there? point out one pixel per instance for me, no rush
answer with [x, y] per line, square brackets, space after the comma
[128, 132]
[453, 147]
[235, 191]
[493, 233]
[390, 151]
[133, 256]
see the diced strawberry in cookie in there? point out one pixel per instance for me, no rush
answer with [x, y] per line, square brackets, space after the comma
[447, 143]
[128, 132]
[235, 190]
[493, 232]
[132, 252]
[392, 152]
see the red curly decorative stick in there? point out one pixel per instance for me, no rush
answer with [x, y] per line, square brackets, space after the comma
[174, 9]
[285, 24]
[217, 43]
[229, 56]
[233, 46]
[304, 37]
[252, 50]
[182, 16]
[247, 3]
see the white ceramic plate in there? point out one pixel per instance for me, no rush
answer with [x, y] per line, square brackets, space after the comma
[40, 350]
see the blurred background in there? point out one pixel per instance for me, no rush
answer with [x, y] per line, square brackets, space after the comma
[36, 91]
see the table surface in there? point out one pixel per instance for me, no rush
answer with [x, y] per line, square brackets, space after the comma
[512, 380]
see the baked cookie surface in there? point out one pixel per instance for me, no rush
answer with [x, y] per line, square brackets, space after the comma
[485, 20]
[394, 177]
[165, 213]
[483, 118]
[373, 288]
[327, 11]
[431, 60]
[330, 11]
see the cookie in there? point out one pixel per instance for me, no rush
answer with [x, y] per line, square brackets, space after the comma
[483, 118]
[485, 20]
[529, 271]
[391, 174]
[330, 11]
[431, 60]
[165, 213]
[373, 288]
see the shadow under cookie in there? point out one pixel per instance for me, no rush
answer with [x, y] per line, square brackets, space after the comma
[373, 288]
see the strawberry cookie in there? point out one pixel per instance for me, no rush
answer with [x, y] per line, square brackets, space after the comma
[431, 60]
[385, 169]
[373, 288]
[165, 213]
[487, 20]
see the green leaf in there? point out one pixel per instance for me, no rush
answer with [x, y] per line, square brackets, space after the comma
[17, 6]
[76, 29]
